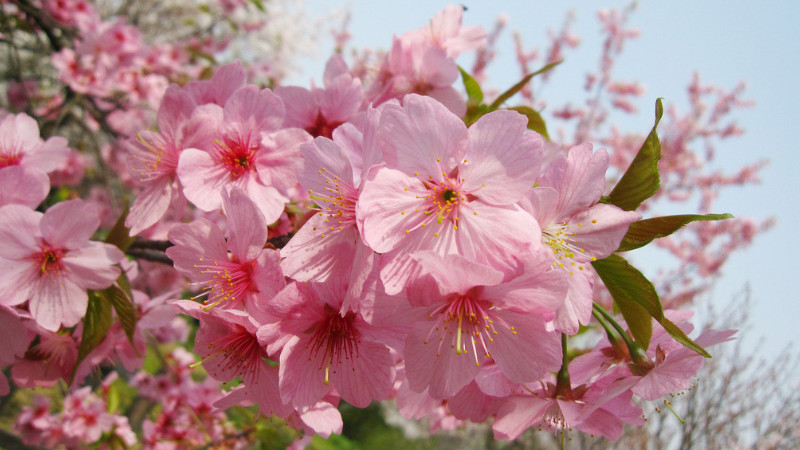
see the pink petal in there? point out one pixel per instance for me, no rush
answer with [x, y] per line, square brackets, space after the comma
[23, 186]
[202, 179]
[302, 375]
[310, 256]
[19, 230]
[386, 209]
[368, 376]
[503, 156]
[246, 225]
[301, 109]
[415, 135]
[70, 223]
[58, 301]
[150, 205]
[93, 265]
[528, 352]
[455, 273]
[580, 178]
[255, 110]
[442, 371]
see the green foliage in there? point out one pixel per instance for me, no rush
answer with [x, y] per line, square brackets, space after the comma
[476, 108]
[641, 181]
[125, 308]
[95, 324]
[120, 235]
[644, 231]
[518, 87]
[633, 294]
[535, 121]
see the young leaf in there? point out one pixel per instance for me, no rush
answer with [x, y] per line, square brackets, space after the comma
[518, 87]
[95, 325]
[681, 337]
[125, 308]
[644, 231]
[641, 180]
[120, 234]
[535, 121]
[637, 299]
[633, 294]
[474, 92]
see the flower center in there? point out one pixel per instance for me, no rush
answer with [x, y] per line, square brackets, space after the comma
[237, 154]
[155, 158]
[227, 282]
[238, 350]
[322, 127]
[565, 246]
[49, 260]
[465, 323]
[338, 202]
[338, 339]
[10, 157]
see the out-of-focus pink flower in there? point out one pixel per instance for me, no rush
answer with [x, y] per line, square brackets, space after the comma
[600, 409]
[23, 186]
[445, 31]
[48, 260]
[320, 111]
[21, 145]
[15, 338]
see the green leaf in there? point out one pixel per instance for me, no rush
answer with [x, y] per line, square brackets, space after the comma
[641, 180]
[518, 87]
[125, 308]
[535, 121]
[638, 301]
[634, 295]
[644, 231]
[112, 399]
[258, 4]
[474, 92]
[120, 235]
[95, 325]
[681, 337]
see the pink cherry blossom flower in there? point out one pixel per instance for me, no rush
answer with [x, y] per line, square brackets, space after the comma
[155, 156]
[15, 338]
[475, 316]
[235, 271]
[251, 152]
[320, 111]
[415, 66]
[48, 260]
[329, 244]
[577, 228]
[600, 409]
[21, 145]
[228, 344]
[673, 371]
[47, 362]
[445, 31]
[448, 188]
[321, 348]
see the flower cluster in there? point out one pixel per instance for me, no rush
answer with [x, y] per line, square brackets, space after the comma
[374, 238]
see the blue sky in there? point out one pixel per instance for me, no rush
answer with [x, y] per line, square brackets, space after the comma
[726, 43]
